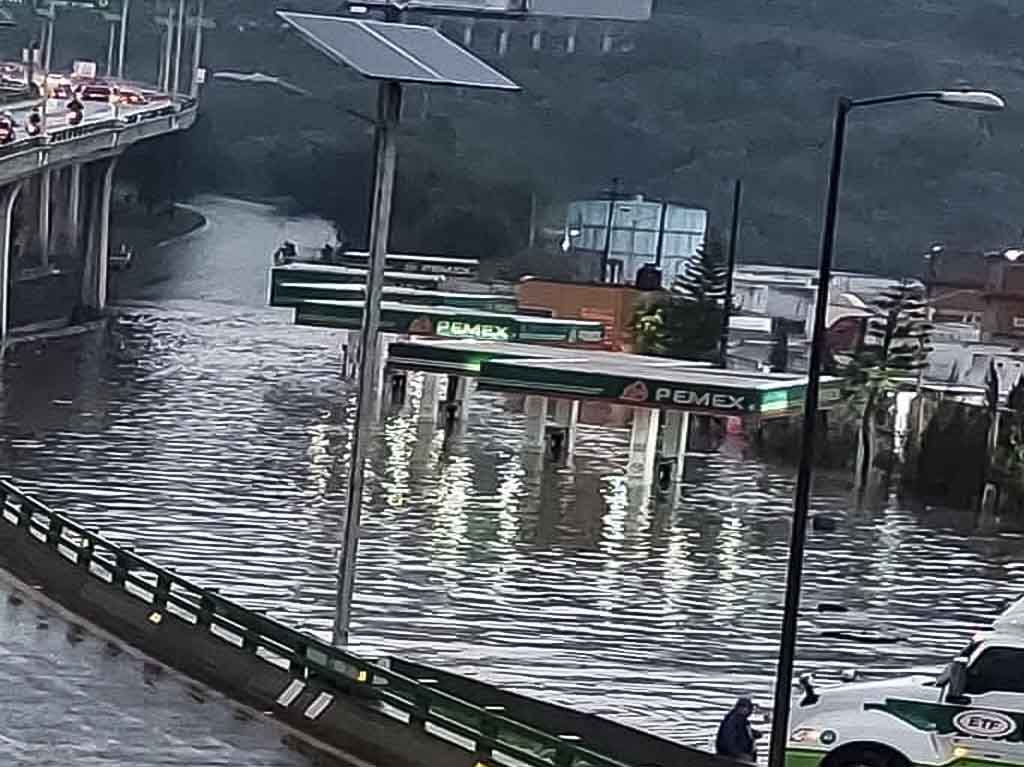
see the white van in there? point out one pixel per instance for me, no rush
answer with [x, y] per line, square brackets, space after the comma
[971, 715]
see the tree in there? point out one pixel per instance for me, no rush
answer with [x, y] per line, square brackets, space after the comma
[686, 323]
[894, 348]
[704, 278]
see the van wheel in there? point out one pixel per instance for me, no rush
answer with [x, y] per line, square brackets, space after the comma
[866, 757]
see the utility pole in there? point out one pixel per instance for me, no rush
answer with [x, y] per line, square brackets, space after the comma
[663, 219]
[606, 256]
[734, 235]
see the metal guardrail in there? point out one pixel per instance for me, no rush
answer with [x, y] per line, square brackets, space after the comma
[493, 738]
[73, 132]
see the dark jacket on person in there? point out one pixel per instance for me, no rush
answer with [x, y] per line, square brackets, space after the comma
[735, 738]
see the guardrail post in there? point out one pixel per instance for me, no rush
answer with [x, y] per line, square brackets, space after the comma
[297, 666]
[163, 590]
[249, 637]
[421, 703]
[565, 753]
[207, 608]
[25, 513]
[489, 731]
[54, 531]
[121, 568]
[85, 552]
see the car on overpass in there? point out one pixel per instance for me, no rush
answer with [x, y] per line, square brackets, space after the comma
[96, 90]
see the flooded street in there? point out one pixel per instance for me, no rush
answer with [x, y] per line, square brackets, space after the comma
[206, 430]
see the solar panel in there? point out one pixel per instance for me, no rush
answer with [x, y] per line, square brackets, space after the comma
[400, 52]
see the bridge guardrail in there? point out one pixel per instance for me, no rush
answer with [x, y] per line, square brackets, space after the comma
[72, 132]
[491, 736]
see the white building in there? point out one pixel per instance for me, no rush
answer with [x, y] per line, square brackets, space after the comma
[641, 230]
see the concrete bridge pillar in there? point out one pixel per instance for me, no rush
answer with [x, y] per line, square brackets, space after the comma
[45, 178]
[97, 246]
[65, 233]
[65, 214]
[75, 198]
[8, 197]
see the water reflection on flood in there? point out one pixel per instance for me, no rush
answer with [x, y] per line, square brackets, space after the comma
[212, 434]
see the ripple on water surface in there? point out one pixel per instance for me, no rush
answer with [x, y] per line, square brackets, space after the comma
[214, 437]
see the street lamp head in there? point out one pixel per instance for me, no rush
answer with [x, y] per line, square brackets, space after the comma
[983, 101]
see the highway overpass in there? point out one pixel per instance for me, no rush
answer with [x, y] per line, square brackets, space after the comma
[58, 186]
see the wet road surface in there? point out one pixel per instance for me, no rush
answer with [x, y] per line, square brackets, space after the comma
[68, 698]
[212, 434]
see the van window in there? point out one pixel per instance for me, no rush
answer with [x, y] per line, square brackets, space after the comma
[998, 669]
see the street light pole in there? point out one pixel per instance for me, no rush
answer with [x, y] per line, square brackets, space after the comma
[389, 100]
[978, 100]
[798, 536]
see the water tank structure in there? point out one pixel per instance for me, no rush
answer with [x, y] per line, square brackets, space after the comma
[643, 231]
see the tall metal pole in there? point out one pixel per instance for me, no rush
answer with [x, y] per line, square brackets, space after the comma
[606, 256]
[48, 51]
[734, 235]
[166, 82]
[801, 504]
[197, 50]
[111, 39]
[180, 39]
[389, 101]
[661, 235]
[123, 38]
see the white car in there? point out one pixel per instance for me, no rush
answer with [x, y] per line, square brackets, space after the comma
[971, 715]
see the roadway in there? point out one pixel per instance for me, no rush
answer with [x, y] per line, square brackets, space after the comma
[57, 114]
[68, 697]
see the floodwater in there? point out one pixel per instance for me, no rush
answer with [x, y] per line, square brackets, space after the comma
[212, 434]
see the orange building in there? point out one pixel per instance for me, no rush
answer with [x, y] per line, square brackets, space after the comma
[613, 305]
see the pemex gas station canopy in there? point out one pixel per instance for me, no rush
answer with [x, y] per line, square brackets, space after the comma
[625, 379]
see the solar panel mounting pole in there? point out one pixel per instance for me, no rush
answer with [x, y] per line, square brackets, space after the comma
[389, 102]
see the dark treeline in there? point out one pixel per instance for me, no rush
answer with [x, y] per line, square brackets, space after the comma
[709, 90]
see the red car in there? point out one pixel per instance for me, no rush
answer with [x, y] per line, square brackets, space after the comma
[131, 97]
